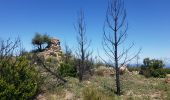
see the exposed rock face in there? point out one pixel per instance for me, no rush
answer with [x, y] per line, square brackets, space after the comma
[123, 69]
[54, 50]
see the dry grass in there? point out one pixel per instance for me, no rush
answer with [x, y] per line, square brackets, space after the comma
[103, 71]
[139, 87]
[134, 87]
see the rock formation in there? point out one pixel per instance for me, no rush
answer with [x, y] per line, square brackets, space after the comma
[123, 69]
[53, 50]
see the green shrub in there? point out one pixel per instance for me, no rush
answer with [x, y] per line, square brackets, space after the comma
[167, 70]
[67, 70]
[52, 60]
[134, 69]
[158, 73]
[153, 68]
[18, 80]
[147, 73]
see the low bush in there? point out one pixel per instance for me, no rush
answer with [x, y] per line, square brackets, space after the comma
[52, 60]
[133, 69]
[67, 70]
[18, 80]
[167, 70]
[153, 68]
[161, 73]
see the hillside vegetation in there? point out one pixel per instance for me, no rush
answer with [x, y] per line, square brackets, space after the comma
[49, 72]
[41, 76]
[101, 87]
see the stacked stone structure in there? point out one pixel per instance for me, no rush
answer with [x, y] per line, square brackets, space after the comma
[53, 50]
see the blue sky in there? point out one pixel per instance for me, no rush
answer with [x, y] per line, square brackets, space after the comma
[149, 22]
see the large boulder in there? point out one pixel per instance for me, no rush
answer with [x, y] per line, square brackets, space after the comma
[123, 69]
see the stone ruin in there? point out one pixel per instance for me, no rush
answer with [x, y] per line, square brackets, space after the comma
[53, 50]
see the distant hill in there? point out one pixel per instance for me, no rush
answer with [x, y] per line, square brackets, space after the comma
[134, 65]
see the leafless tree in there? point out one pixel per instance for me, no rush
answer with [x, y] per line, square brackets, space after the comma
[83, 44]
[67, 53]
[114, 35]
[9, 48]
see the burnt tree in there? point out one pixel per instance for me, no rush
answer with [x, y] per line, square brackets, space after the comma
[83, 45]
[114, 35]
[67, 54]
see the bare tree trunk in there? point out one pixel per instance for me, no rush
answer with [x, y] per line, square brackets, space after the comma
[83, 44]
[116, 60]
[82, 62]
[80, 74]
[40, 47]
[68, 54]
[114, 35]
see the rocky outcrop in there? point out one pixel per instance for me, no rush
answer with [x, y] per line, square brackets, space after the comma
[53, 50]
[123, 69]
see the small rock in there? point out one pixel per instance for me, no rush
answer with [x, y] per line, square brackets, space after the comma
[167, 80]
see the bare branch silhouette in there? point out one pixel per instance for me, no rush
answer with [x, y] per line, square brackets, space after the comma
[83, 45]
[114, 35]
